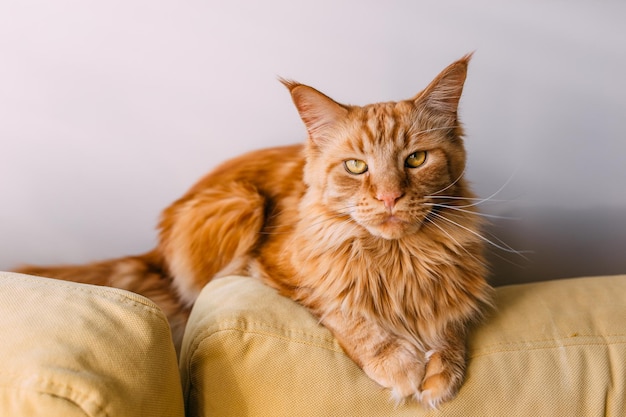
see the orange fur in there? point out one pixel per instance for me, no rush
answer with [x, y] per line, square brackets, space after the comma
[383, 258]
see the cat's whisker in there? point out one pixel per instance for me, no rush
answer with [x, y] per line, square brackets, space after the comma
[502, 246]
[491, 235]
[452, 183]
[474, 201]
[478, 213]
[450, 197]
[505, 259]
[498, 191]
[496, 238]
[429, 221]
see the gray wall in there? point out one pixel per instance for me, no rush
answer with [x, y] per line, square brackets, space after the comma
[111, 110]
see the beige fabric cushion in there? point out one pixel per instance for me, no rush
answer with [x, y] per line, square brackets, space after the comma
[552, 349]
[71, 349]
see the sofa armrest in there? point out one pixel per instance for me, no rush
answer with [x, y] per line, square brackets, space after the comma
[72, 349]
[551, 348]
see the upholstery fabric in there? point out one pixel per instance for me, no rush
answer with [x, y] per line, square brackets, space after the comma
[72, 349]
[555, 348]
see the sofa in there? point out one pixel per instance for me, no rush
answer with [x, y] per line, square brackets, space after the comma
[554, 348]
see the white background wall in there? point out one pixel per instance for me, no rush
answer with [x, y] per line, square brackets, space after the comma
[110, 110]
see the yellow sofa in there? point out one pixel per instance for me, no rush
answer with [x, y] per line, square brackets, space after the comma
[550, 348]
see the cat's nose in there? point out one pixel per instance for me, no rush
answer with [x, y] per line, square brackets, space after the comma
[389, 198]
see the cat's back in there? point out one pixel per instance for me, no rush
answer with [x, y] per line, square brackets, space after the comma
[226, 218]
[273, 171]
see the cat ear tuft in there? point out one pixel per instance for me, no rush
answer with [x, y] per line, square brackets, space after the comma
[318, 111]
[444, 92]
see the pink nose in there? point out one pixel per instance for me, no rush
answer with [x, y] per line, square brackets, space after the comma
[389, 198]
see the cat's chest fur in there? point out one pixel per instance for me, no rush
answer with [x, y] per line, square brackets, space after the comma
[333, 264]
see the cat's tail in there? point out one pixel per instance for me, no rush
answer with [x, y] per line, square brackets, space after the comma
[142, 274]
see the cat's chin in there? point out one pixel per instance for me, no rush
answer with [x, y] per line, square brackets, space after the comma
[392, 228]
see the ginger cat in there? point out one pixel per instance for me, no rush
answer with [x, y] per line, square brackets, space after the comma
[369, 225]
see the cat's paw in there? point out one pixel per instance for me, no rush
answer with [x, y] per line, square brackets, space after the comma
[442, 380]
[399, 367]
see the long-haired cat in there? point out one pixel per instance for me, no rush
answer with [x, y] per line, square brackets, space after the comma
[369, 225]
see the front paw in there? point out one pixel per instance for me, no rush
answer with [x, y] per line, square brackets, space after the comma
[442, 379]
[432, 378]
[399, 367]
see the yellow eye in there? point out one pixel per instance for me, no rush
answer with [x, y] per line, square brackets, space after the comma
[416, 159]
[355, 166]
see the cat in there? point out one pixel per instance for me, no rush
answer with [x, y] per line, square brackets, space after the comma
[369, 225]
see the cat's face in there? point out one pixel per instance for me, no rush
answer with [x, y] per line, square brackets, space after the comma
[382, 166]
[379, 165]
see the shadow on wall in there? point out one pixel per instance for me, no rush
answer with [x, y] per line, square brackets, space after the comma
[559, 244]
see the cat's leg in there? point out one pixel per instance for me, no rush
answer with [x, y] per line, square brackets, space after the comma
[391, 361]
[210, 233]
[445, 370]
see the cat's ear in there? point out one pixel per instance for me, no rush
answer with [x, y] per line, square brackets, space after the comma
[444, 92]
[319, 112]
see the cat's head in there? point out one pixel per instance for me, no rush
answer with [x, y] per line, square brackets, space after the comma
[380, 164]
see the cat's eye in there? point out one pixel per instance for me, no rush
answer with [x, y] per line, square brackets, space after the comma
[355, 166]
[416, 159]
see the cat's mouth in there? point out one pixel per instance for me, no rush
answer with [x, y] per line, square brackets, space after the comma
[392, 219]
[391, 227]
